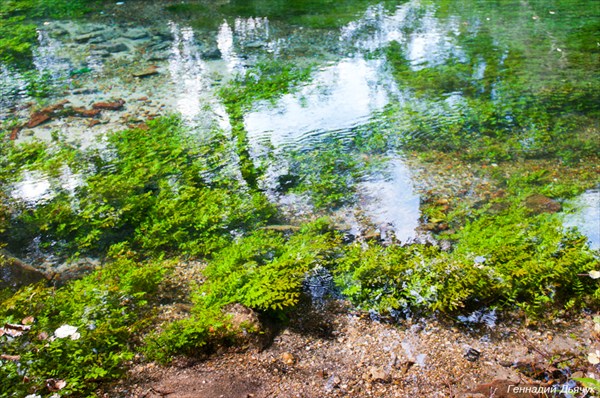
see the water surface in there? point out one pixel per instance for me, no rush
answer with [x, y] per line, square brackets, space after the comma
[401, 70]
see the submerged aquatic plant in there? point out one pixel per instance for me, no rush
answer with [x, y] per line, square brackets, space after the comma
[17, 24]
[506, 260]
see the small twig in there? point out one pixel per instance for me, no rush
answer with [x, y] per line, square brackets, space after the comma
[563, 359]
[529, 344]
[448, 385]
[155, 391]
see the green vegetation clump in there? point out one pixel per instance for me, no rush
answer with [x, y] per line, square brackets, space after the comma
[157, 188]
[328, 175]
[263, 271]
[503, 260]
[108, 308]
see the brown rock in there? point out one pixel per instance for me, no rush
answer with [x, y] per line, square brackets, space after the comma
[149, 71]
[111, 106]
[14, 330]
[38, 118]
[55, 107]
[45, 114]
[542, 204]
[10, 357]
[372, 235]
[434, 227]
[55, 384]
[14, 134]
[15, 273]
[86, 112]
[288, 358]
[378, 375]
[242, 316]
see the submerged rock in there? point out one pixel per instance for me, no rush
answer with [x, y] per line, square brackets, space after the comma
[136, 34]
[14, 134]
[255, 44]
[85, 38]
[100, 53]
[212, 54]
[86, 112]
[159, 45]
[38, 118]
[14, 273]
[157, 56]
[85, 91]
[149, 71]
[111, 106]
[45, 114]
[115, 47]
[538, 204]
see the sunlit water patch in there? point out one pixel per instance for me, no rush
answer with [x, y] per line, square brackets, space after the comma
[33, 188]
[586, 216]
[229, 55]
[187, 72]
[36, 187]
[339, 97]
[427, 39]
[390, 200]
[48, 56]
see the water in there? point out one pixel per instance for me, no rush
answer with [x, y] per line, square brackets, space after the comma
[407, 69]
[586, 216]
[338, 98]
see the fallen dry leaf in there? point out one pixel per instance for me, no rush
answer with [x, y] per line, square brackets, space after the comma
[55, 384]
[10, 357]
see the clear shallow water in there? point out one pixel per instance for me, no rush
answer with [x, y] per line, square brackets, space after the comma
[354, 81]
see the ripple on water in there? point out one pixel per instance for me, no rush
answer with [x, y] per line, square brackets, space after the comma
[36, 187]
[339, 98]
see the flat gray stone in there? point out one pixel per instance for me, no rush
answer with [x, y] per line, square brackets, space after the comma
[136, 34]
[85, 38]
[115, 47]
